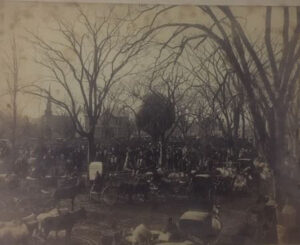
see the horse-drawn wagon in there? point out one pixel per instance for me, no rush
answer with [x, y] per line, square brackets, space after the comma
[235, 177]
[111, 187]
[201, 227]
[202, 186]
[95, 172]
[184, 186]
[123, 185]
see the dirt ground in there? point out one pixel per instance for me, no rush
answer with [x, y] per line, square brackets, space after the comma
[16, 204]
[22, 201]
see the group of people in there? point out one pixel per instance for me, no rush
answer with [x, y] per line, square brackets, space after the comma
[182, 158]
[4, 149]
[49, 160]
[67, 159]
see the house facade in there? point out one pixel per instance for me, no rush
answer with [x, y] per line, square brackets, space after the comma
[110, 126]
[55, 126]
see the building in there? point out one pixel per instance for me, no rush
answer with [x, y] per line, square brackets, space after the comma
[55, 126]
[110, 126]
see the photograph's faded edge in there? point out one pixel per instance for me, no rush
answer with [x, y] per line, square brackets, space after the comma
[183, 2]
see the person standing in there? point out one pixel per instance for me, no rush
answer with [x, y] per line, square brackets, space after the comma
[172, 230]
[98, 182]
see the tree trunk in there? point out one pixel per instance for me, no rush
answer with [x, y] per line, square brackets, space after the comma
[243, 126]
[14, 125]
[162, 151]
[279, 152]
[91, 152]
[91, 148]
[284, 187]
[236, 121]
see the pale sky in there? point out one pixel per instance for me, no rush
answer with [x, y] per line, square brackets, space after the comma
[18, 17]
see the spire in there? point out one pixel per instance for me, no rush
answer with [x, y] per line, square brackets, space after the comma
[48, 111]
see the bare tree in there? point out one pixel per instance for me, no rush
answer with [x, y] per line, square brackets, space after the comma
[220, 87]
[175, 83]
[169, 79]
[13, 88]
[293, 128]
[86, 62]
[269, 81]
[270, 88]
[185, 120]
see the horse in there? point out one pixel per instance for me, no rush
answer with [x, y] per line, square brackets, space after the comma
[132, 189]
[14, 232]
[163, 185]
[68, 193]
[31, 222]
[9, 181]
[51, 213]
[63, 222]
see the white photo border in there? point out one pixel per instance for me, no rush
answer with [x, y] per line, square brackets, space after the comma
[181, 2]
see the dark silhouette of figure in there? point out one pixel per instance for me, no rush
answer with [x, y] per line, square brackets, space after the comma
[172, 229]
[98, 182]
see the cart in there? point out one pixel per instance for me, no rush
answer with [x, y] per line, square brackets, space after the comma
[202, 187]
[201, 227]
[110, 191]
[95, 167]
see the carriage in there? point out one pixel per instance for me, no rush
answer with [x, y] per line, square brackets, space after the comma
[94, 167]
[235, 177]
[200, 226]
[115, 185]
[193, 186]
[202, 186]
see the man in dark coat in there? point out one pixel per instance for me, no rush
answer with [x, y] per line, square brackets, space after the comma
[98, 182]
[172, 229]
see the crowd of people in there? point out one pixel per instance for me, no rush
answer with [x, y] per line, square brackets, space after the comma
[67, 159]
[178, 157]
[54, 160]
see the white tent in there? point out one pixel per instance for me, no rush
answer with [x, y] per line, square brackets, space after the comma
[195, 215]
[93, 168]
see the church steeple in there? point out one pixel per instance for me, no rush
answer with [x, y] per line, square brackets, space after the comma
[48, 111]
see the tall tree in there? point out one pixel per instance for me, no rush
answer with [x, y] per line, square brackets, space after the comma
[268, 72]
[13, 88]
[172, 81]
[88, 59]
[269, 81]
[220, 87]
[155, 117]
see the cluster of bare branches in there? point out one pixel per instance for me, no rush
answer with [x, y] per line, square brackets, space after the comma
[210, 71]
[219, 86]
[15, 86]
[268, 72]
[92, 58]
[265, 71]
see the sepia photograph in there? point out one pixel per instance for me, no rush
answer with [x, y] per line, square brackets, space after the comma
[149, 123]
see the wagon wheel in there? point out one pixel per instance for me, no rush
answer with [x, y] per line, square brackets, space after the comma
[199, 241]
[110, 195]
[95, 196]
[158, 195]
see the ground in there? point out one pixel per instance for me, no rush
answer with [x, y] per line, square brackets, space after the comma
[127, 216]
[21, 202]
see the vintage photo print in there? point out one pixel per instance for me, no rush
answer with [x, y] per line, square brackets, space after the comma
[149, 123]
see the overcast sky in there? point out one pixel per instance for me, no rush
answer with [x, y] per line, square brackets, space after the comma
[17, 18]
